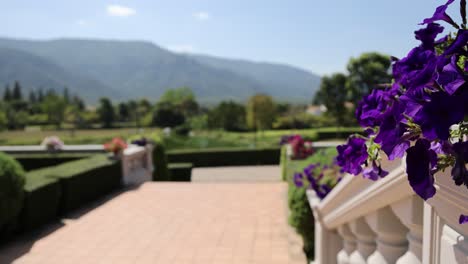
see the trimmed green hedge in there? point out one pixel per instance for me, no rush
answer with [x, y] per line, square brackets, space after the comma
[41, 202]
[41, 160]
[301, 216]
[181, 171]
[160, 163]
[226, 157]
[84, 180]
[324, 135]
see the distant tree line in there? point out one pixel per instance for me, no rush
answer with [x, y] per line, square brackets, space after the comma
[341, 92]
[178, 108]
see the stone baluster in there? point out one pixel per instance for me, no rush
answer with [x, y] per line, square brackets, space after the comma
[391, 236]
[410, 212]
[349, 244]
[365, 240]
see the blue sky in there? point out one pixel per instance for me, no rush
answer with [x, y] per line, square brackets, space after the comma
[319, 36]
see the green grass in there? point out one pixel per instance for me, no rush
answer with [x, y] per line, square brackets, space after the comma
[199, 140]
[89, 136]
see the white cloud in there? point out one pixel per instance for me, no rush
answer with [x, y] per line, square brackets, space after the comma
[120, 11]
[81, 22]
[202, 15]
[181, 48]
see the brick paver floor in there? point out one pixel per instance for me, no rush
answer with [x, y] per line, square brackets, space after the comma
[170, 223]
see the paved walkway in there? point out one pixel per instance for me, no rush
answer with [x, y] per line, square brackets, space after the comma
[237, 174]
[172, 223]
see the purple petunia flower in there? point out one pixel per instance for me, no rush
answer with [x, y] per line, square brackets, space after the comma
[416, 70]
[436, 116]
[459, 171]
[451, 77]
[427, 35]
[140, 142]
[420, 162]
[463, 219]
[298, 180]
[352, 155]
[458, 44]
[374, 172]
[390, 136]
[440, 14]
[371, 109]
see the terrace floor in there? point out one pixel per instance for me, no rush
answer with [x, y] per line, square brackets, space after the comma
[211, 220]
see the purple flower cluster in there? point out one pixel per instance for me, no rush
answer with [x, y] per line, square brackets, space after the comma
[426, 99]
[314, 174]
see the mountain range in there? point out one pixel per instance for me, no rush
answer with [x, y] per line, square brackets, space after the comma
[135, 69]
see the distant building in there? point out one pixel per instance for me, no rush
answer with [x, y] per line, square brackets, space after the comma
[316, 110]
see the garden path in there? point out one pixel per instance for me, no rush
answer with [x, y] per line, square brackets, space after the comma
[228, 221]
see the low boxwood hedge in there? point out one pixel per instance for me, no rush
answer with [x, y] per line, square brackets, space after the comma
[41, 202]
[339, 134]
[160, 163]
[180, 171]
[226, 157]
[84, 180]
[34, 161]
[301, 216]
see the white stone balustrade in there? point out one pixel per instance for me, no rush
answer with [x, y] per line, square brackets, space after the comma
[368, 222]
[349, 244]
[137, 165]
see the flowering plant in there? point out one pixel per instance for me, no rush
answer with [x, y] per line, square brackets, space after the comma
[116, 146]
[52, 143]
[301, 148]
[421, 113]
[140, 142]
[321, 178]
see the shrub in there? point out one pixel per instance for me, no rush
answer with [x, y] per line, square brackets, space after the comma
[161, 171]
[181, 171]
[84, 180]
[226, 157]
[301, 216]
[37, 161]
[41, 203]
[283, 163]
[12, 180]
[343, 133]
[182, 130]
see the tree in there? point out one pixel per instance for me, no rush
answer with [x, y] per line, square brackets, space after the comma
[32, 97]
[261, 112]
[228, 115]
[54, 106]
[124, 112]
[166, 115]
[106, 112]
[40, 95]
[368, 71]
[7, 94]
[66, 95]
[17, 95]
[79, 103]
[182, 98]
[332, 94]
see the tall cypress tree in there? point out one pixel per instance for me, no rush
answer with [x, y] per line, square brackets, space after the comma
[7, 94]
[66, 96]
[17, 95]
[40, 95]
[32, 97]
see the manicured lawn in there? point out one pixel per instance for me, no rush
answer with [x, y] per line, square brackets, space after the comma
[198, 139]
